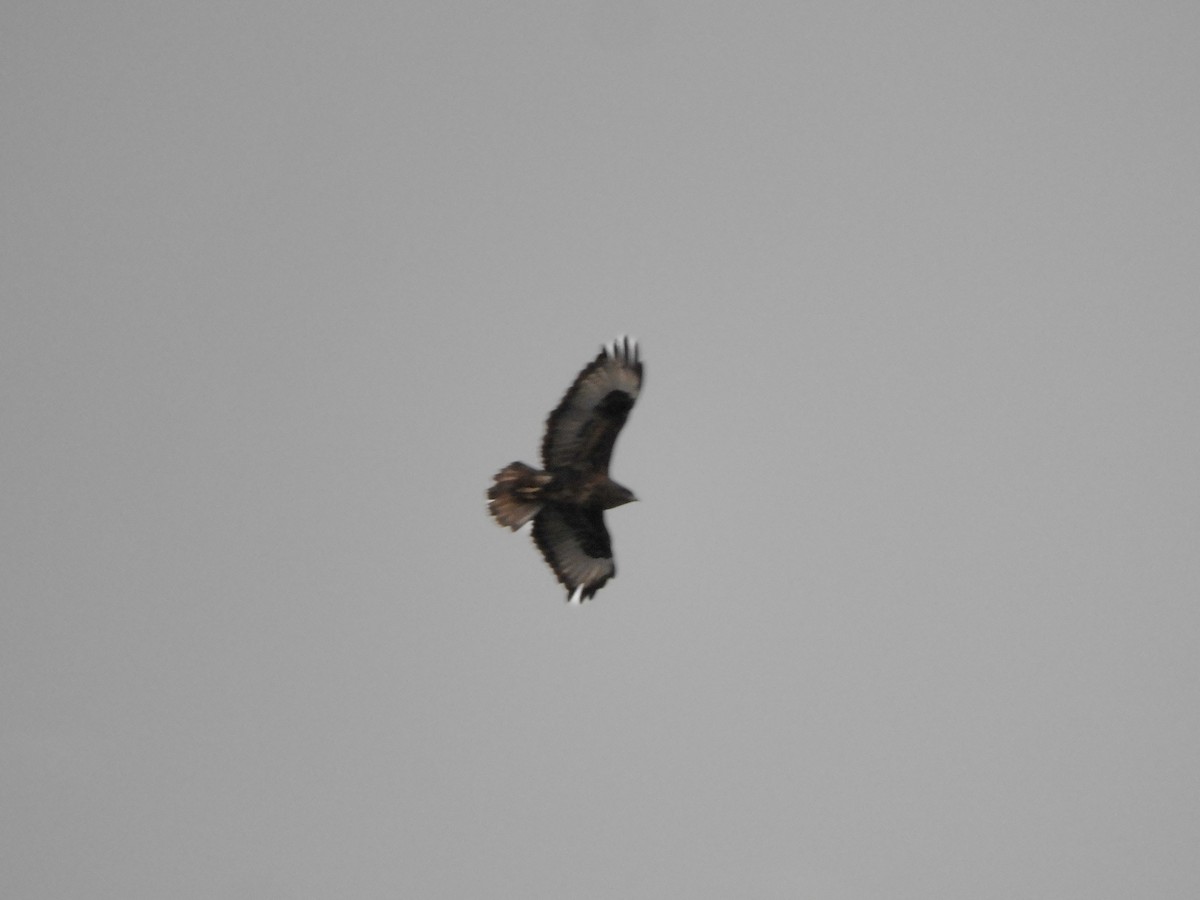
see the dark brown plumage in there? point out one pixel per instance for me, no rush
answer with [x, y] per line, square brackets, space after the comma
[566, 500]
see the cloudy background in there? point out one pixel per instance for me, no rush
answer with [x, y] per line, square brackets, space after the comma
[909, 606]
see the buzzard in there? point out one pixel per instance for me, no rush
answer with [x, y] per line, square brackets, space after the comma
[566, 499]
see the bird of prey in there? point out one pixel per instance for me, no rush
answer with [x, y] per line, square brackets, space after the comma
[566, 499]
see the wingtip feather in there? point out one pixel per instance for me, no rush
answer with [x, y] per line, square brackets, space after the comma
[623, 349]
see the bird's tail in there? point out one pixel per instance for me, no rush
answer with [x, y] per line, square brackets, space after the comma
[515, 498]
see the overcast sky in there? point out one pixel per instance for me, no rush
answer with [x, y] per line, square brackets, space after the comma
[908, 608]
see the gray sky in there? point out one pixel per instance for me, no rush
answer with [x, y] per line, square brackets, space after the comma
[909, 606]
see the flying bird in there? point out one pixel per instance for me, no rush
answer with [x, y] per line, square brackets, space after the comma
[566, 499]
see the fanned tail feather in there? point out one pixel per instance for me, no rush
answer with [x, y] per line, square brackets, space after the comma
[515, 498]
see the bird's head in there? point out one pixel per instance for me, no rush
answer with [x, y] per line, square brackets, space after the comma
[617, 495]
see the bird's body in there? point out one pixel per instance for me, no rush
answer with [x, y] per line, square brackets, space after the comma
[594, 490]
[566, 500]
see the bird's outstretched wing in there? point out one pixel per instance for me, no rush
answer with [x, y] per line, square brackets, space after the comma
[583, 428]
[575, 543]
